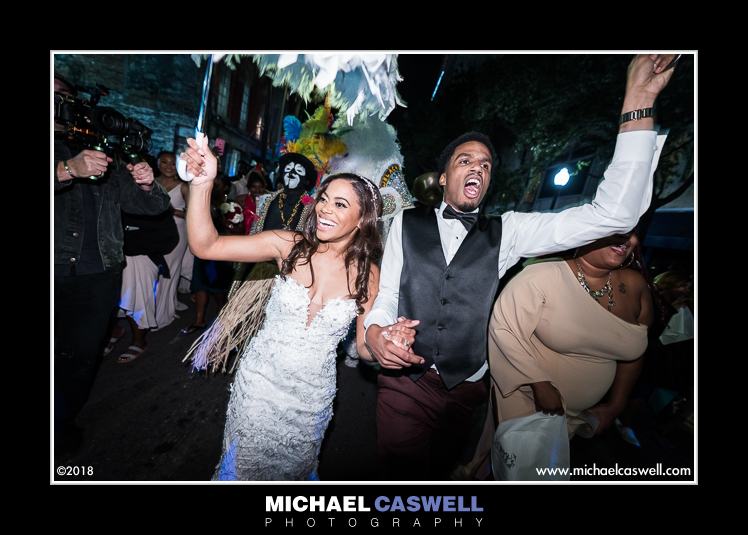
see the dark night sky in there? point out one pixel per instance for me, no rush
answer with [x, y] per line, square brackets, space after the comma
[430, 125]
[425, 127]
[420, 72]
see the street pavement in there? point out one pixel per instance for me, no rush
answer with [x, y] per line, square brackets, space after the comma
[153, 419]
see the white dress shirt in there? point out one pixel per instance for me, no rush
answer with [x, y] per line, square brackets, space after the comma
[621, 198]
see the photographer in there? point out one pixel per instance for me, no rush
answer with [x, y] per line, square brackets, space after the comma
[88, 240]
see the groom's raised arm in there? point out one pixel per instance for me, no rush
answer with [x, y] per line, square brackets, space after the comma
[624, 194]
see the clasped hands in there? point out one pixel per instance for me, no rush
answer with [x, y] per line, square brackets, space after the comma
[392, 346]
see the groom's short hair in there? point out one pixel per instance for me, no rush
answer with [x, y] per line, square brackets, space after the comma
[446, 154]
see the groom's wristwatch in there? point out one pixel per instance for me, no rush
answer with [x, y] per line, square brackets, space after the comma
[635, 115]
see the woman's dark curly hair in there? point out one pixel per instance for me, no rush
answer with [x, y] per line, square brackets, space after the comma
[364, 248]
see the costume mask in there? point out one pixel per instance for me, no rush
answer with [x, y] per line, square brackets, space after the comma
[298, 171]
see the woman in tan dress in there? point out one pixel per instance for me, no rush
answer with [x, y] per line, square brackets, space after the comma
[564, 333]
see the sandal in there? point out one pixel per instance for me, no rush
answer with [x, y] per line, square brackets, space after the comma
[110, 345]
[131, 354]
[191, 329]
[113, 341]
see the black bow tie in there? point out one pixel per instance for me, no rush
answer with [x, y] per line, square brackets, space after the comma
[467, 219]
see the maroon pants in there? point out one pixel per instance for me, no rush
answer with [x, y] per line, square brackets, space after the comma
[421, 426]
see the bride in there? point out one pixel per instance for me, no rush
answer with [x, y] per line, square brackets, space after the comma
[282, 396]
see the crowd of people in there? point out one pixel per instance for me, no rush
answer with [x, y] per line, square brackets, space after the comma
[564, 338]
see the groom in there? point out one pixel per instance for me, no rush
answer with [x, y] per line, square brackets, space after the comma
[440, 269]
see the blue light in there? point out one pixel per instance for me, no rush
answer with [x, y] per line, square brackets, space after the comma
[561, 178]
[204, 99]
[441, 74]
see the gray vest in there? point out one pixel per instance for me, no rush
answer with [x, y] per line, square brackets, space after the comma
[453, 302]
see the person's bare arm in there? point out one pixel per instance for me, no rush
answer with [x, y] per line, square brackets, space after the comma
[627, 372]
[185, 189]
[202, 236]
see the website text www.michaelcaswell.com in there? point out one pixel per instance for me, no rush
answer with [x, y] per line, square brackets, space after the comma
[615, 471]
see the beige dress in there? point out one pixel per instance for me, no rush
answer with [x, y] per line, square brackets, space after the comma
[546, 327]
[148, 298]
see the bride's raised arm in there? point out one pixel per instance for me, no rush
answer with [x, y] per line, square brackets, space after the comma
[204, 240]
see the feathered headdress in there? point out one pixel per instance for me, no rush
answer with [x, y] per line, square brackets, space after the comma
[374, 152]
[313, 139]
[355, 84]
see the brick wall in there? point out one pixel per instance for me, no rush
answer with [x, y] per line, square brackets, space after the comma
[159, 90]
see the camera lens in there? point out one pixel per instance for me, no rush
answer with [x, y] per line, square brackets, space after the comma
[135, 142]
[137, 126]
[101, 128]
[110, 120]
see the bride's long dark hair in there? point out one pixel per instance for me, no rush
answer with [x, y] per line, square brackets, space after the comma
[365, 246]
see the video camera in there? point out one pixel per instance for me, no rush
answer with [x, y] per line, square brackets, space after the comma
[89, 126]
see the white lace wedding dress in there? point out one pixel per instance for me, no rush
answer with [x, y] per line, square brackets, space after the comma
[281, 399]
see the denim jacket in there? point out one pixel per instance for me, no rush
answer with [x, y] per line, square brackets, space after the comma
[117, 191]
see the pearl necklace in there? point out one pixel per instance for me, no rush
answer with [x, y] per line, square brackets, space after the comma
[596, 294]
